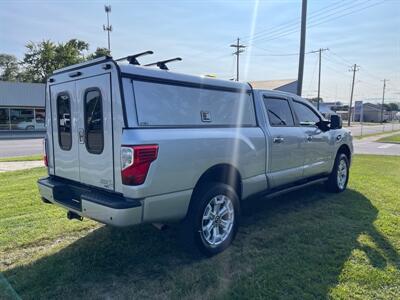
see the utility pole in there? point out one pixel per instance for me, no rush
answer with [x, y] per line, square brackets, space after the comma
[239, 49]
[108, 28]
[302, 46]
[383, 98]
[354, 69]
[319, 73]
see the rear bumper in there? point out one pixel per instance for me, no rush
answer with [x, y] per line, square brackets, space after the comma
[102, 206]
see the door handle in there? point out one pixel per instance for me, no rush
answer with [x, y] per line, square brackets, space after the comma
[278, 140]
[81, 136]
[309, 138]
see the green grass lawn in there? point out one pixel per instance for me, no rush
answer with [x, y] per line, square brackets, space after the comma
[304, 245]
[359, 137]
[394, 139]
[22, 158]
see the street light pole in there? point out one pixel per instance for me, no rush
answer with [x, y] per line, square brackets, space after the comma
[108, 28]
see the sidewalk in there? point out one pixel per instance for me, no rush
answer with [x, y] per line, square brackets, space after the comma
[20, 165]
[369, 145]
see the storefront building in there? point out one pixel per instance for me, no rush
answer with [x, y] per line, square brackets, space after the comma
[22, 106]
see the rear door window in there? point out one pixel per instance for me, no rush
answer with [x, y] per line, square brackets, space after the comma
[94, 121]
[279, 112]
[64, 121]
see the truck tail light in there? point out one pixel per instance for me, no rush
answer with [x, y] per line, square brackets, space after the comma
[45, 160]
[135, 163]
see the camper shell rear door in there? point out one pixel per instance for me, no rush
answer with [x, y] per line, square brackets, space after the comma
[82, 127]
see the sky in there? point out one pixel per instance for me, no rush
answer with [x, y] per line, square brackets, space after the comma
[362, 32]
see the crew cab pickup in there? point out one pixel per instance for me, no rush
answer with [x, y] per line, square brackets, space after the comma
[128, 144]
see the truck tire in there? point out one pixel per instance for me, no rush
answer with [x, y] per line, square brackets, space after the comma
[338, 179]
[212, 220]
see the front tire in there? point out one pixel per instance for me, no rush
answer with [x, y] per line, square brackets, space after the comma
[339, 177]
[212, 221]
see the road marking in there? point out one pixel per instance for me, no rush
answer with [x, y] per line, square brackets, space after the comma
[385, 146]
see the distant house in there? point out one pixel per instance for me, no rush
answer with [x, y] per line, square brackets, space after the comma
[328, 108]
[371, 113]
[284, 85]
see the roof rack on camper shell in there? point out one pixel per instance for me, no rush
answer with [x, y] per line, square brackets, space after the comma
[162, 64]
[132, 59]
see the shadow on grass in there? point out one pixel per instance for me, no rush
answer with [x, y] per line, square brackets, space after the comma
[293, 246]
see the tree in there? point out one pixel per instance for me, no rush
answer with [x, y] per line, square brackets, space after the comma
[99, 53]
[9, 67]
[392, 106]
[41, 59]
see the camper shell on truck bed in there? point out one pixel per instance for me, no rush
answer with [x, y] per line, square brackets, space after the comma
[133, 114]
[128, 144]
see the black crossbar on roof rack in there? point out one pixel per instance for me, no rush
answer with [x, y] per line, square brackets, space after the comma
[132, 59]
[163, 63]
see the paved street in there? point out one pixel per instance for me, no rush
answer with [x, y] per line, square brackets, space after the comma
[10, 148]
[369, 145]
[358, 130]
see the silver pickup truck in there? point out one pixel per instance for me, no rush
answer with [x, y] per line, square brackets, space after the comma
[143, 145]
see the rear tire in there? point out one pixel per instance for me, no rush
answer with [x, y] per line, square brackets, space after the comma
[339, 177]
[212, 220]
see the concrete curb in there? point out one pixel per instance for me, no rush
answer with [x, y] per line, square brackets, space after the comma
[20, 165]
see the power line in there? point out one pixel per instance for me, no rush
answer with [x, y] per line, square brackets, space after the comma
[319, 73]
[340, 57]
[294, 24]
[323, 20]
[313, 73]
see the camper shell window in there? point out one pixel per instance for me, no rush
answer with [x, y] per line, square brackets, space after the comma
[160, 104]
[64, 121]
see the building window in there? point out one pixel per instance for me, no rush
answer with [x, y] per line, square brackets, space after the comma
[40, 117]
[4, 119]
[26, 118]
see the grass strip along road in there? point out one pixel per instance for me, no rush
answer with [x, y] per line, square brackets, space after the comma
[22, 158]
[304, 245]
[394, 139]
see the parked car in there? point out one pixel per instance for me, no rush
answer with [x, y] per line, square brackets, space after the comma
[154, 146]
[30, 125]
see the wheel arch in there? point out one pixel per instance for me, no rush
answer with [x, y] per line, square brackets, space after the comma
[345, 149]
[223, 173]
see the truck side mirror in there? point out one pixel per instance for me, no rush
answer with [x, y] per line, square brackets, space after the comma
[336, 122]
